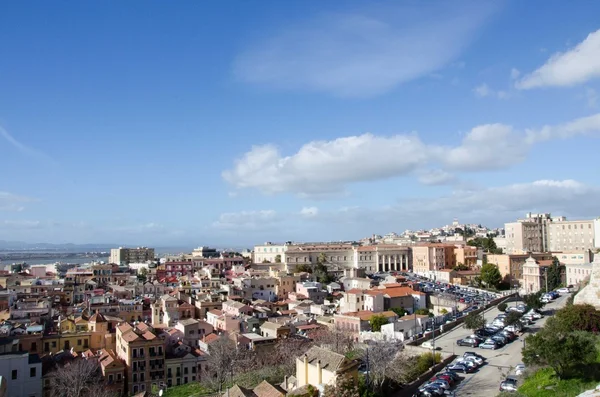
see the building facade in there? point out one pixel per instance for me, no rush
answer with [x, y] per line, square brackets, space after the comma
[578, 273]
[124, 256]
[23, 374]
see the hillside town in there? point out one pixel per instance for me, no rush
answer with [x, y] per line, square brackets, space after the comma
[147, 325]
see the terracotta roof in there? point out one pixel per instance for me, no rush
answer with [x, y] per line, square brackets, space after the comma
[354, 291]
[392, 285]
[308, 326]
[366, 315]
[366, 248]
[97, 318]
[545, 263]
[373, 292]
[130, 336]
[148, 335]
[210, 338]
[399, 292]
[216, 312]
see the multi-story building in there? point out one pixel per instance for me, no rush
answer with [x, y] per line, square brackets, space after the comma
[511, 265]
[124, 256]
[356, 300]
[564, 235]
[143, 354]
[578, 273]
[113, 371]
[175, 268]
[311, 290]
[319, 367]
[270, 252]
[466, 255]
[542, 233]
[427, 258]
[527, 235]
[573, 257]
[382, 258]
[22, 372]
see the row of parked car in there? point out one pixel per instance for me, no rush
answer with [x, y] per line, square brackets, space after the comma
[442, 384]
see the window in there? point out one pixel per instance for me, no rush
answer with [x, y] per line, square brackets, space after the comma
[78, 342]
[32, 372]
[14, 374]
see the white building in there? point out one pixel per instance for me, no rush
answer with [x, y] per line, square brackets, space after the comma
[23, 374]
[573, 257]
[577, 273]
[270, 252]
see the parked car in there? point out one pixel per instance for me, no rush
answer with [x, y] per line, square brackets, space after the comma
[451, 374]
[509, 384]
[474, 355]
[474, 359]
[563, 290]
[447, 378]
[471, 364]
[489, 344]
[459, 368]
[442, 383]
[467, 342]
[429, 345]
[520, 369]
[514, 328]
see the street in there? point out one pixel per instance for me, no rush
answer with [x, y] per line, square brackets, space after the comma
[486, 380]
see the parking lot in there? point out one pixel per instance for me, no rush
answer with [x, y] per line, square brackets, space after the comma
[485, 381]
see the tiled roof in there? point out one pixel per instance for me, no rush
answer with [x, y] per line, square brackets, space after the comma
[399, 292]
[238, 391]
[216, 312]
[265, 389]
[97, 318]
[354, 291]
[210, 338]
[329, 360]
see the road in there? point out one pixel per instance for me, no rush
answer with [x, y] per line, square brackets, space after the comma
[500, 362]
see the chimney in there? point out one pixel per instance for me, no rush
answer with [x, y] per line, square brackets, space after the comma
[305, 369]
[319, 372]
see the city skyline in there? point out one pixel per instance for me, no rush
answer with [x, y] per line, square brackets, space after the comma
[146, 125]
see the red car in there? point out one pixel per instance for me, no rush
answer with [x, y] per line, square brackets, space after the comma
[444, 377]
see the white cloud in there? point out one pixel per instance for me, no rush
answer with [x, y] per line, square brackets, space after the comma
[328, 167]
[591, 97]
[576, 66]
[22, 147]
[435, 177]
[482, 90]
[363, 53]
[309, 212]
[13, 202]
[582, 126]
[246, 220]
[322, 167]
[23, 224]
[514, 74]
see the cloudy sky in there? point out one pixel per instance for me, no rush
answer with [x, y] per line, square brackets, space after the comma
[242, 122]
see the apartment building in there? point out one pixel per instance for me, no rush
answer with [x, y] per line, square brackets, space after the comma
[542, 233]
[511, 265]
[124, 256]
[466, 255]
[142, 352]
[564, 235]
[578, 273]
[270, 252]
[22, 372]
[340, 255]
[427, 258]
[573, 257]
[357, 300]
[311, 290]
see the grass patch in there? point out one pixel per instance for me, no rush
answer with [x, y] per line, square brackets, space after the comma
[544, 383]
[190, 390]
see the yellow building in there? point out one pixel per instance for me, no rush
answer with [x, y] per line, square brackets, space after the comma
[319, 367]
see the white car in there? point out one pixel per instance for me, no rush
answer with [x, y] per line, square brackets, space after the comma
[428, 345]
[563, 290]
[520, 369]
[476, 360]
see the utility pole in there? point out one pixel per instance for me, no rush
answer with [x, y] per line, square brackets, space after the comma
[546, 272]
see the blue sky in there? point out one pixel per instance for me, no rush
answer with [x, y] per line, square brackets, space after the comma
[233, 123]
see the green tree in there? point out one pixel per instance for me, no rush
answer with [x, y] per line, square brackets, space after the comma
[554, 274]
[559, 350]
[143, 274]
[277, 258]
[304, 268]
[486, 243]
[578, 318]
[490, 275]
[399, 311]
[533, 301]
[474, 321]
[444, 311]
[424, 312]
[502, 307]
[345, 386]
[512, 317]
[459, 266]
[266, 261]
[322, 259]
[377, 321]
[321, 273]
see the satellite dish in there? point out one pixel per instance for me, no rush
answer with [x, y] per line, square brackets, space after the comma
[160, 392]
